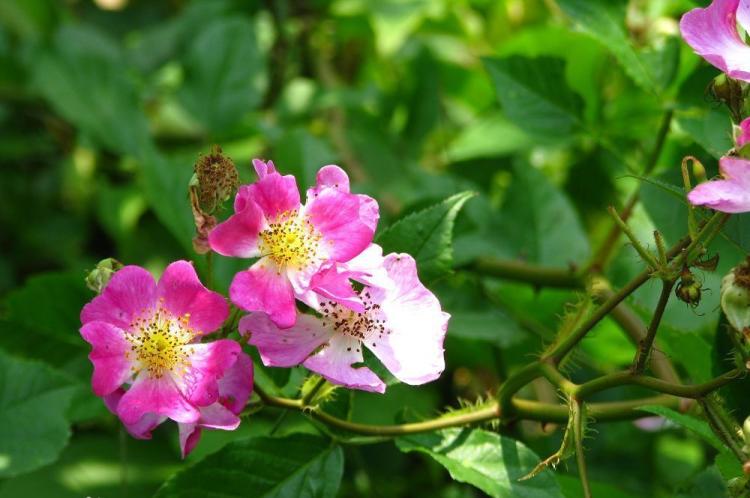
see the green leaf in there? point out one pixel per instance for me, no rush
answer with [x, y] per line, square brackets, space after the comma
[539, 223]
[82, 77]
[571, 487]
[33, 404]
[604, 20]
[264, 467]
[489, 461]
[536, 97]
[49, 304]
[728, 465]
[491, 136]
[427, 235]
[224, 73]
[710, 127]
[489, 325]
[697, 426]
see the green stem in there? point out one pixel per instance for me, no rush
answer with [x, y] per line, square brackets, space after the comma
[712, 412]
[578, 422]
[521, 409]
[644, 348]
[645, 255]
[541, 276]
[515, 382]
[627, 378]
[562, 348]
[313, 391]
[634, 327]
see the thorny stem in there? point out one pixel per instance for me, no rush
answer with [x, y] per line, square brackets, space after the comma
[642, 251]
[644, 348]
[711, 410]
[634, 327]
[313, 391]
[578, 421]
[522, 409]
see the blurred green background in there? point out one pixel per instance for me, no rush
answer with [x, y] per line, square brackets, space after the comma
[548, 110]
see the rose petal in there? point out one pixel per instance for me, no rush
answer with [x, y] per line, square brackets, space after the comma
[264, 288]
[284, 347]
[238, 235]
[109, 356]
[413, 350]
[712, 33]
[335, 362]
[129, 293]
[346, 221]
[208, 362]
[158, 396]
[183, 292]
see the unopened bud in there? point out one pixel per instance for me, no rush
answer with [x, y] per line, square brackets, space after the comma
[99, 277]
[699, 172]
[216, 179]
[735, 296]
[688, 288]
[728, 91]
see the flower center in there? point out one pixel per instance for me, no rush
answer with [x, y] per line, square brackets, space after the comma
[157, 343]
[290, 240]
[367, 325]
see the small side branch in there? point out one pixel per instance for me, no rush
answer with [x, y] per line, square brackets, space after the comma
[644, 348]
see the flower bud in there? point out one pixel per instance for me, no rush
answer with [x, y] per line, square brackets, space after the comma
[699, 172]
[728, 91]
[216, 179]
[735, 296]
[98, 278]
[688, 289]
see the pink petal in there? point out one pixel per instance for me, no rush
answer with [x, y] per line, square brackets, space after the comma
[129, 293]
[726, 196]
[237, 384]
[264, 288]
[367, 268]
[141, 429]
[330, 176]
[183, 292]
[334, 362]
[238, 235]
[274, 194]
[332, 283]
[731, 195]
[158, 396]
[744, 136]
[743, 14]
[208, 363]
[712, 33]
[284, 347]
[346, 221]
[735, 169]
[263, 168]
[189, 435]
[217, 416]
[109, 356]
[413, 350]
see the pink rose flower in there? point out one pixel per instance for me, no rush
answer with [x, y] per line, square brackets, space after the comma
[402, 324]
[146, 336]
[730, 194]
[293, 241]
[712, 33]
[743, 133]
